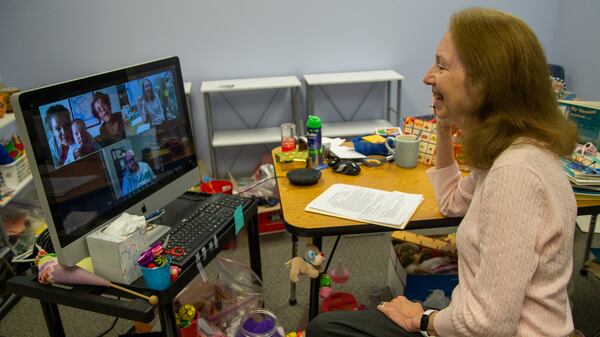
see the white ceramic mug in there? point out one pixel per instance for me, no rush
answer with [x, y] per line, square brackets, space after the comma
[406, 150]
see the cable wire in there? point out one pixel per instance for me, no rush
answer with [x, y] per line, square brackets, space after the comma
[258, 183]
[109, 329]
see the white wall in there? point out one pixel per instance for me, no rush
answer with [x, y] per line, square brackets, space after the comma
[49, 41]
[577, 46]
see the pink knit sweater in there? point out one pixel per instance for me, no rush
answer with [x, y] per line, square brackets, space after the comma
[514, 244]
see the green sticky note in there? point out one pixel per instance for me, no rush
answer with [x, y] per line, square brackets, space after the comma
[238, 217]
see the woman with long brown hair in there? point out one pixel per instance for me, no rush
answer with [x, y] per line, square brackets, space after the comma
[490, 79]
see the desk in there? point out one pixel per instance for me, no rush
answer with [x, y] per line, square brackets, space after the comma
[388, 177]
[93, 298]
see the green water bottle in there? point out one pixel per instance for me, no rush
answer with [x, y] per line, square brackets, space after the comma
[314, 144]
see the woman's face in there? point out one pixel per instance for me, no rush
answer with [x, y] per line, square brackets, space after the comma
[61, 130]
[147, 88]
[103, 110]
[450, 97]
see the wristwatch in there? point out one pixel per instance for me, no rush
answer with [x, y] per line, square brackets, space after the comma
[425, 322]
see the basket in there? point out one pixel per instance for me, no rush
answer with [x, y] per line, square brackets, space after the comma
[11, 175]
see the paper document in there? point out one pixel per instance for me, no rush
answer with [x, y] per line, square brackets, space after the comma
[392, 209]
[344, 152]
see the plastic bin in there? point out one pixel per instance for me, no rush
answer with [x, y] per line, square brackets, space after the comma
[11, 175]
[217, 186]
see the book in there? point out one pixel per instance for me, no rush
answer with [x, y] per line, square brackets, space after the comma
[581, 167]
[585, 194]
[392, 209]
[582, 181]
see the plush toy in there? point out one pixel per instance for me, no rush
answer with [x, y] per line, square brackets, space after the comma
[309, 264]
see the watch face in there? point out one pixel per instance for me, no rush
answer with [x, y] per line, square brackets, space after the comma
[424, 322]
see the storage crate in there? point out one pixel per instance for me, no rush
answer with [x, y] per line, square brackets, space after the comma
[417, 287]
[270, 219]
[11, 175]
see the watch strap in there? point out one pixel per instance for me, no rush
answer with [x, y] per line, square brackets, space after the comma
[425, 322]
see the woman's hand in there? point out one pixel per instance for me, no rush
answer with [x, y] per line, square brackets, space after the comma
[405, 313]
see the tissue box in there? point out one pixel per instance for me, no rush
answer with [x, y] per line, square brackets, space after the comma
[115, 257]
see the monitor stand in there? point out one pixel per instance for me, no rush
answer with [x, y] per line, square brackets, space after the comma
[154, 233]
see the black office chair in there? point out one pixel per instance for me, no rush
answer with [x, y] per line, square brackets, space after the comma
[557, 71]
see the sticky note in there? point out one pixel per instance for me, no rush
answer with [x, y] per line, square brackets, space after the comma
[375, 139]
[238, 217]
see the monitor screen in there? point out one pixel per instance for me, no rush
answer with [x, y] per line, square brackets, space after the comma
[103, 144]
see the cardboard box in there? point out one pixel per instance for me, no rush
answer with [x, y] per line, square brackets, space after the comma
[416, 287]
[115, 258]
[586, 115]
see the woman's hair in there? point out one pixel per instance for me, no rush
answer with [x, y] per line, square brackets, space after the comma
[144, 89]
[99, 96]
[507, 71]
[57, 110]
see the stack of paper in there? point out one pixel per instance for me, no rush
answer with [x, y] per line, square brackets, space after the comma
[392, 209]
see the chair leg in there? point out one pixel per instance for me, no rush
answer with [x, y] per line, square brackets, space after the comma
[292, 299]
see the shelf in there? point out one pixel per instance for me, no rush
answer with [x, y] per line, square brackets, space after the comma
[250, 84]
[7, 120]
[355, 128]
[353, 77]
[16, 191]
[246, 137]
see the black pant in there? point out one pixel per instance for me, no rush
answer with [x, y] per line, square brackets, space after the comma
[355, 324]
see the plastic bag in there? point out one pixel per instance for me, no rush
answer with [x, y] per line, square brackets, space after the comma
[238, 290]
[262, 184]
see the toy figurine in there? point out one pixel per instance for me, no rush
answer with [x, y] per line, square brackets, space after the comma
[308, 264]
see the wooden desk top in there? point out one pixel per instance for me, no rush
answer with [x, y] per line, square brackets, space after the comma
[387, 177]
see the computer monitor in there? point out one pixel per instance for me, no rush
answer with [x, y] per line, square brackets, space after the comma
[119, 141]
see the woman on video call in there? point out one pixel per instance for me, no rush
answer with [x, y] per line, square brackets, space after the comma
[149, 105]
[112, 128]
[57, 118]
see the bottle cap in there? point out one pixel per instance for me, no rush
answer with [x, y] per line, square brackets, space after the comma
[313, 121]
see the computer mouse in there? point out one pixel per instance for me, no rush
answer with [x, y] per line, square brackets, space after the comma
[348, 168]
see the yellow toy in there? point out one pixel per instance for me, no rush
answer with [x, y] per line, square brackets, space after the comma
[308, 264]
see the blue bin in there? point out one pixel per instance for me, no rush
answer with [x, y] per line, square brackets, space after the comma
[368, 149]
[158, 278]
[418, 287]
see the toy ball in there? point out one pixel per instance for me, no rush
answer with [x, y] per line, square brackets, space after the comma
[187, 312]
[175, 271]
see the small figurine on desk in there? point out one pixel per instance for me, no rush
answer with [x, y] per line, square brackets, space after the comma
[308, 264]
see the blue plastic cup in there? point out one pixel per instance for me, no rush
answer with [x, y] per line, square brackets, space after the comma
[158, 278]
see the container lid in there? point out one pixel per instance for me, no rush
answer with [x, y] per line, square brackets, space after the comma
[313, 121]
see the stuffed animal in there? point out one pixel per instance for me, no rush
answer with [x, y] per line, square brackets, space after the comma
[309, 264]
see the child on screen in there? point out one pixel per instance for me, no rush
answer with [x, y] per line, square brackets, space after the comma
[84, 142]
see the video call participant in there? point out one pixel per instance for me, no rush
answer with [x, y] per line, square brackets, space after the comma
[112, 128]
[149, 105]
[59, 121]
[137, 174]
[84, 143]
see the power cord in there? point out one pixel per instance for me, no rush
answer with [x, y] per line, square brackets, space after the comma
[258, 183]
[111, 327]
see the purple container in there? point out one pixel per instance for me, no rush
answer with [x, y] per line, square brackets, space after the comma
[258, 323]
